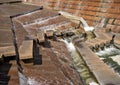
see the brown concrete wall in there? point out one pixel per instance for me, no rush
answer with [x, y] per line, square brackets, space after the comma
[98, 13]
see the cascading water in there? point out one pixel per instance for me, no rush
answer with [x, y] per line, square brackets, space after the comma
[79, 65]
[53, 26]
[108, 51]
[41, 20]
[111, 56]
[32, 81]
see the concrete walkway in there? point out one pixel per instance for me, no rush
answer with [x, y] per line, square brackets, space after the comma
[104, 74]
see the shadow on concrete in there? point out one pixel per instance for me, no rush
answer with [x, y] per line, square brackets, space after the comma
[28, 60]
[37, 58]
[4, 70]
[47, 43]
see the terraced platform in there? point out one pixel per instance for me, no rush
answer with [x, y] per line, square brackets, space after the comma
[6, 11]
[98, 13]
[40, 66]
[51, 63]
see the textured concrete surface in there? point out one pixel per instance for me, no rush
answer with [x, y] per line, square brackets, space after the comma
[102, 72]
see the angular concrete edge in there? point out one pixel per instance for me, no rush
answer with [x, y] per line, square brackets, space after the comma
[7, 51]
[101, 71]
[26, 49]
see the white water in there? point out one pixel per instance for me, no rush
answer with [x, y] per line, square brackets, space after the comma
[84, 22]
[112, 58]
[22, 79]
[41, 21]
[27, 81]
[78, 19]
[116, 59]
[70, 45]
[93, 83]
[32, 81]
[86, 26]
[108, 51]
[70, 16]
[53, 26]
[79, 64]
[28, 14]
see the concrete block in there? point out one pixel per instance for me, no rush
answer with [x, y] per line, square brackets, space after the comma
[26, 50]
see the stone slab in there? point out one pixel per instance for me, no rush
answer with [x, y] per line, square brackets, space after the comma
[7, 51]
[26, 50]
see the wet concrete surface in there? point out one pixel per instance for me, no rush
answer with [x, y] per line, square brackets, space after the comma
[54, 67]
[46, 66]
[6, 11]
[51, 62]
[50, 66]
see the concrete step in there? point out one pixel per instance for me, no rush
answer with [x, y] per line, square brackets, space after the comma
[6, 44]
[7, 51]
[26, 50]
[36, 16]
[48, 22]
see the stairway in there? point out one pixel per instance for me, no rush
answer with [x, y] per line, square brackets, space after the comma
[46, 71]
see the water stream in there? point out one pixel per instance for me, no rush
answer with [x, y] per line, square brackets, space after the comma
[111, 56]
[82, 69]
[32, 81]
[40, 20]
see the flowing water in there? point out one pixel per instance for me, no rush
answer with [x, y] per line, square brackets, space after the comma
[111, 56]
[32, 81]
[41, 20]
[82, 69]
[53, 26]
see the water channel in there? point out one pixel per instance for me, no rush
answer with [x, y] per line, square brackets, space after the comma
[79, 64]
[111, 56]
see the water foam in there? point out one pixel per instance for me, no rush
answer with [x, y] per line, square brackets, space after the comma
[79, 64]
[70, 45]
[108, 51]
[116, 59]
[93, 83]
[32, 81]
